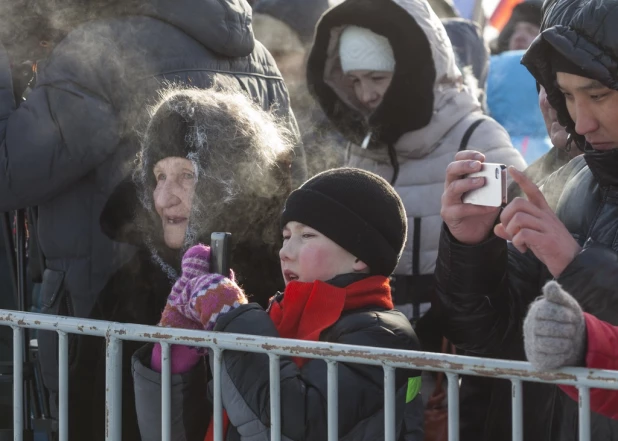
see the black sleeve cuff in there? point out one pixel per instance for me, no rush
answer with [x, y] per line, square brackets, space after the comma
[471, 268]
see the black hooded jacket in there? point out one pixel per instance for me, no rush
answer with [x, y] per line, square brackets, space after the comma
[484, 291]
[68, 146]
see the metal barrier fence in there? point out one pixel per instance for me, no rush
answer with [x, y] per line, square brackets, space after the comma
[389, 359]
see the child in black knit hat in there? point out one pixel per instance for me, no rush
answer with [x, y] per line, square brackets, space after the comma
[343, 233]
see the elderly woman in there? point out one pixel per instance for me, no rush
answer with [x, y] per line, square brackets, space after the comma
[209, 161]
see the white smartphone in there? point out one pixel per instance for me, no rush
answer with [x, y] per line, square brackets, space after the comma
[493, 193]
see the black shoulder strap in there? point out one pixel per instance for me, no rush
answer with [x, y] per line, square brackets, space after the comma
[468, 134]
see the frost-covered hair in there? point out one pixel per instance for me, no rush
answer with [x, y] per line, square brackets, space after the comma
[242, 160]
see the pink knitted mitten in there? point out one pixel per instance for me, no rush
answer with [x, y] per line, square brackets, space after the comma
[197, 299]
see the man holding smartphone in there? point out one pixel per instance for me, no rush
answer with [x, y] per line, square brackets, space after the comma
[492, 263]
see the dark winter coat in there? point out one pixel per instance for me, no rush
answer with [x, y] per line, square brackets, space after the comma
[299, 15]
[303, 390]
[73, 140]
[484, 292]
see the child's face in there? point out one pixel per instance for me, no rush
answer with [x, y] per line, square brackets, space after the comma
[307, 256]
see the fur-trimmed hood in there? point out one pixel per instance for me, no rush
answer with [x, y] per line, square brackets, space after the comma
[242, 163]
[427, 87]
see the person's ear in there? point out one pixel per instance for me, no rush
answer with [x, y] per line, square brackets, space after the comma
[359, 266]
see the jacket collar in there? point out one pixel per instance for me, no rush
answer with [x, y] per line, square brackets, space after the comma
[603, 165]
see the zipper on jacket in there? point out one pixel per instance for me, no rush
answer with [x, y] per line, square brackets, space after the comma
[367, 140]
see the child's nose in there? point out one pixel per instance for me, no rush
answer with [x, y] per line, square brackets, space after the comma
[285, 251]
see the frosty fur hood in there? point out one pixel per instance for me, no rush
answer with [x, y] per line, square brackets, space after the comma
[241, 157]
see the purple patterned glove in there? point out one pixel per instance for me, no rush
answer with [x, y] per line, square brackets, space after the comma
[198, 297]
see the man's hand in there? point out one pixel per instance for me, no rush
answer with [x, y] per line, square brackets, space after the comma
[469, 224]
[555, 330]
[531, 224]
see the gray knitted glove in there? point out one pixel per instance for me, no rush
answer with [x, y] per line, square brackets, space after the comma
[555, 330]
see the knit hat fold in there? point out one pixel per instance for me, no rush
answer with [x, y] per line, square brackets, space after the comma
[362, 49]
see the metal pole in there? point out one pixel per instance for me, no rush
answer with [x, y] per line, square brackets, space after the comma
[218, 405]
[584, 413]
[517, 405]
[333, 400]
[166, 392]
[113, 389]
[18, 384]
[389, 403]
[453, 406]
[63, 385]
[275, 397]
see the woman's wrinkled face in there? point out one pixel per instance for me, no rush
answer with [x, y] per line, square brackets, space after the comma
[370, 86]
[176, 178]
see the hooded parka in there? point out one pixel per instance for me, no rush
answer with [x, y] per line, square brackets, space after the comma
[484, 291]
[67, 147]
[421, 121]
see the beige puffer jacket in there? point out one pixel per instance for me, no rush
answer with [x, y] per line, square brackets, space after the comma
[424, 151]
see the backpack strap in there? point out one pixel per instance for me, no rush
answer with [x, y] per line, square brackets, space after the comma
[468, 134]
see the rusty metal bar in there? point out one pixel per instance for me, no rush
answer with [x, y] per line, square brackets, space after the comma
[166, 393]
[63, 386]
[389, 404]
[113, 389]
[461, 365]
[453, 406]
[18, 383]
[517, 411]
[333, 400]
[584, 413]
[217, 355]
[275, 397]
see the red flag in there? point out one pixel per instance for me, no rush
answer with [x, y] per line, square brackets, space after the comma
[502, 13]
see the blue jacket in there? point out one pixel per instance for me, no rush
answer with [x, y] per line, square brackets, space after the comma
[513, 101]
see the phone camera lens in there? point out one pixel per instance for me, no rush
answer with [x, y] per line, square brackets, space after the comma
[497, 173]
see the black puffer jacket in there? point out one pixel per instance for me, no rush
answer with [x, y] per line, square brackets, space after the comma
[484, 292]
[66, 148]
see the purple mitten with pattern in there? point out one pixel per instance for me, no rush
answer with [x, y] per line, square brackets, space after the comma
[197, 299]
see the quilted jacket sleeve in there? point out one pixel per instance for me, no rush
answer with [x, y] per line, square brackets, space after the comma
[65, 128]
[484, 291]
[246, 397]
[602, 353]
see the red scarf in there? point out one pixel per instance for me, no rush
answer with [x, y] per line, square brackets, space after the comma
[307, 309]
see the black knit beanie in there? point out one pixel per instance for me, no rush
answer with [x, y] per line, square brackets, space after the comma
[357, 210]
